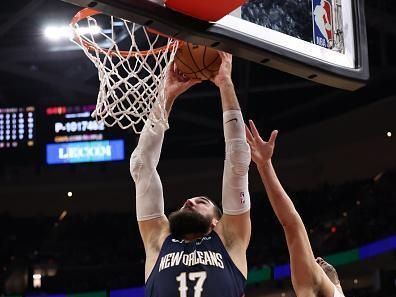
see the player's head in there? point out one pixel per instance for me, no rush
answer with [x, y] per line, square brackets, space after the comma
[198, 216]
[331, 273]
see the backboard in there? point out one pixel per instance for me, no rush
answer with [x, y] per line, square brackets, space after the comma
[320, 40]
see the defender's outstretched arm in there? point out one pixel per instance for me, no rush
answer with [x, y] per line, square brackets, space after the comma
[308, 277]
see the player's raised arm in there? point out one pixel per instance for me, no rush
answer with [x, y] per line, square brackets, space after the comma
[235, 225]
[153, 224]
[308, 278]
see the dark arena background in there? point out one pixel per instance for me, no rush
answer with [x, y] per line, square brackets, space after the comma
[68, 228]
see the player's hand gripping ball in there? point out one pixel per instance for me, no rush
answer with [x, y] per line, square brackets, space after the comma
[197, 61]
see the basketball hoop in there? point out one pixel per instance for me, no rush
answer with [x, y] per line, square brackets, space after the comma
[132, 61]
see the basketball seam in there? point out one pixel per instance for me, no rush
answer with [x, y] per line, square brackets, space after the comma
[195, 63]
[188, 66]
[211, 63]
[203, 57]
[204, 62]
[207, 66]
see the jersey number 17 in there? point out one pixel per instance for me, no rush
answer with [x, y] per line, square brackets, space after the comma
[198, 277]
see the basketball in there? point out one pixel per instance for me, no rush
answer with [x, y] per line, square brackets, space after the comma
[197, 61]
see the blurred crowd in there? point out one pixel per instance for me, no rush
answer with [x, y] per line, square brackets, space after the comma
[77, 253]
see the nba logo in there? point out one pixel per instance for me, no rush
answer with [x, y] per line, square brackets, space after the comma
[242, 197]
[322, 21]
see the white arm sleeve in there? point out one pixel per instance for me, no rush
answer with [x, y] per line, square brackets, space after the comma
[143, 168]
[337, 293]
[236, 198]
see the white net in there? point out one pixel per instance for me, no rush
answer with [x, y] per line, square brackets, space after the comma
[131, 63]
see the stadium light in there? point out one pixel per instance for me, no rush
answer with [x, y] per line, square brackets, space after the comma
[37, 280]
[57, 33]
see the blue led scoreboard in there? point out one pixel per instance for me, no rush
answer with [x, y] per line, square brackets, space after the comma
[75, 137]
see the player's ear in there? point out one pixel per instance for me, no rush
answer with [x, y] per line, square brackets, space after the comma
[214, 222]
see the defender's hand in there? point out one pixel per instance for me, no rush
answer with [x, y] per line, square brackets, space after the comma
[261, 150]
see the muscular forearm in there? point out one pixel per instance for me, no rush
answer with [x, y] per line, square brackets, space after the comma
[161, 110]
[229, 100]
[169, 100]
[280, 201]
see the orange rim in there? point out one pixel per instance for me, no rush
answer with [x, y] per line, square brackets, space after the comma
[88, 12]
